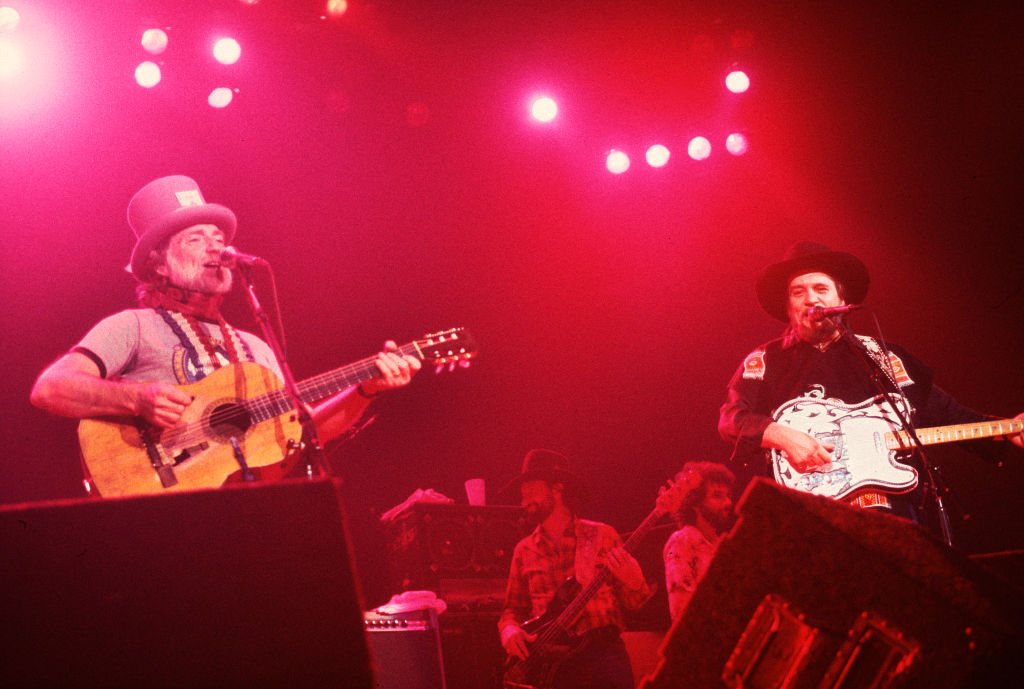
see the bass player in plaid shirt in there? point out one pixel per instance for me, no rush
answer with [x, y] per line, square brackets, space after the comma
[564, 545]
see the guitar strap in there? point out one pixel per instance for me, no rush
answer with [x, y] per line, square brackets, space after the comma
[181, 310]
[884, 359]
[200, 349]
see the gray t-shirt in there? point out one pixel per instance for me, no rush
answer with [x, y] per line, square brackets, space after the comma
[140, 345]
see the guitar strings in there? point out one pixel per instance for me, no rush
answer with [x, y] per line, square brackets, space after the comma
[274, 401]
[583, 597]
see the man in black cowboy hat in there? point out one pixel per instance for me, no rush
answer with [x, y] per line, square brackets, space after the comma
[130, 363]
[561, 546]
[794, 394]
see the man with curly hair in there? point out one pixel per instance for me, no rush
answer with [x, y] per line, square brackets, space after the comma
[702, 519]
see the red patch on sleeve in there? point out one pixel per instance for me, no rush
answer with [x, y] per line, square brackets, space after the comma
[898, 370]
[753, 365]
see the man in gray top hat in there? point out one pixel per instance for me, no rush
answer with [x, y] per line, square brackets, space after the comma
[132, 363]
[809, 396]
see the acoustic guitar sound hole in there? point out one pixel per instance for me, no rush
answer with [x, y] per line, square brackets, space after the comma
[230, 420]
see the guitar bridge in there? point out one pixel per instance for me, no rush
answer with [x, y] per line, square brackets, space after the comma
[187, 452]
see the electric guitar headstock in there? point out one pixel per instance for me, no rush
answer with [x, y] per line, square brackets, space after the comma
[671, 496]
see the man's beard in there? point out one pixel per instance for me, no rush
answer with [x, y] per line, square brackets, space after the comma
[196, 276]
[815, 332]
[720, 520]
[537, 512]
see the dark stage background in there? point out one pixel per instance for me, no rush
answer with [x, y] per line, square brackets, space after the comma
[610, 311]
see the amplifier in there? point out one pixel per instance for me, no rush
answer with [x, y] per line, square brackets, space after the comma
[406, 649]
[432, 543]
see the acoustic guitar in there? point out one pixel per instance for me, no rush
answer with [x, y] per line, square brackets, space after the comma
[240, 419]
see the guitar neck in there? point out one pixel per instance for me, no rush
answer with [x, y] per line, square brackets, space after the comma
[575, 608]
[322, 386]
[955, 433]
[331, 382]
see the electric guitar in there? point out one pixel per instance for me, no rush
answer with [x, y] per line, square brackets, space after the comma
[868, 437]
[555, 639]
[239, 419]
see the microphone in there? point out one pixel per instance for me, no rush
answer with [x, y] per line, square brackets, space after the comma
[233, 257]
[820, 313]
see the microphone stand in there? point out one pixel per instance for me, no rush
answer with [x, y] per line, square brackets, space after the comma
[934, 488]
[310, 441]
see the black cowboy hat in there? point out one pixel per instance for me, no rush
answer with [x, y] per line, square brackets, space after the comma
[544, 465]
[810, 257]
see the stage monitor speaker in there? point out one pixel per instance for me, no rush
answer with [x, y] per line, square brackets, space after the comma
[808, 593]
[406, 649]
[243, 586]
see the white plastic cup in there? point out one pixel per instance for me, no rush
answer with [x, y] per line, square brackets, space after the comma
[476, 492]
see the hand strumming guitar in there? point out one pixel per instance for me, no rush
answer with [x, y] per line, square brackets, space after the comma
[803, 452]
[516, 641]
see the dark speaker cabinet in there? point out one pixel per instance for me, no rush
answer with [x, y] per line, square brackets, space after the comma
[243, 586]
[807, 593]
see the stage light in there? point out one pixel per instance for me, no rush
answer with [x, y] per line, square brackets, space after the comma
[227, 51]
[154, 41]
[220, 97]
[544, 109]
[617, 162]
[699, 148]
[10, 61]
[147, 74]
[335, 8]
[657, 155]
[736, 144]
[9, 19]
[737, 81]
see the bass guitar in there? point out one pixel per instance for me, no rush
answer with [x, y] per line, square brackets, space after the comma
[555, 640]
[868, 437]
[240, 418]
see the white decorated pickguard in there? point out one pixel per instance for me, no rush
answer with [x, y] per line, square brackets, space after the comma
[861, 458]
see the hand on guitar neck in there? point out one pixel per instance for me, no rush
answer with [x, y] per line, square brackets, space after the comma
[1018, 438]
[625, 568]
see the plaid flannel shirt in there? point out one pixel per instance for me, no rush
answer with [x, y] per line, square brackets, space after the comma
[539, 567]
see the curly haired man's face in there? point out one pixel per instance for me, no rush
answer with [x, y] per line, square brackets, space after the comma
[716, 507]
